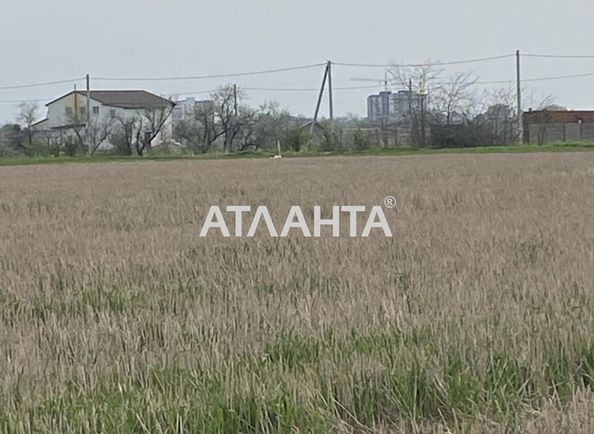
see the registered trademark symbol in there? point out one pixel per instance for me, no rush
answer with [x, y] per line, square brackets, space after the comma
[390, 202]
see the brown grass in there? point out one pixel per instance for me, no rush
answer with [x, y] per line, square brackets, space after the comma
[476, 317]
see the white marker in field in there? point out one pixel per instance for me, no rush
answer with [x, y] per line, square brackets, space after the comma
[278, 146]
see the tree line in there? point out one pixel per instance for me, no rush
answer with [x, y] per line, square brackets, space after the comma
[453, 113]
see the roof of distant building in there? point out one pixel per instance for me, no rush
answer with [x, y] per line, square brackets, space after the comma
[128, 99]
[559, 116]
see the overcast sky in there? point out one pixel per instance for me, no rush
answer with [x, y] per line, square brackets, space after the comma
[48, 40]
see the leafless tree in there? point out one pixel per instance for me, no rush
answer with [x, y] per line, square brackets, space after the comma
[264, 127]
[123, 132]
[27, 116]
[149, 125]
[418, 81]
[228, 119]
[98, 131]
[77, 121]
[536, 101]
[455, 95]
[200, 128]
[240, 128]
[228, 100]
[542, 104]
[420, 77]
[498, 114]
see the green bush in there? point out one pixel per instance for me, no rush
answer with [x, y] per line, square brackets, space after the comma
[72, 147]
[37, 149]
[330, 140]
[360, 140]
[297, 138]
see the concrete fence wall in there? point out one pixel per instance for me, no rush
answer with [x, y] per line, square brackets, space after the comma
[540, 133]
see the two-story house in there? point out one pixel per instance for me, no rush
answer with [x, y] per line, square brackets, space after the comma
[110, 111]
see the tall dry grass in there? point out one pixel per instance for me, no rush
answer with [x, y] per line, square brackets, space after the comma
[476, 317]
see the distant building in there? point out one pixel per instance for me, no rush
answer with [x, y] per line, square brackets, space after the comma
[546, 126]
[67, 115]
[393, 106]
[187, 107]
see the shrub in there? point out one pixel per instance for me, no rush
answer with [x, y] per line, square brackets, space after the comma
[297, 138]
[360, 140]
[72, 146]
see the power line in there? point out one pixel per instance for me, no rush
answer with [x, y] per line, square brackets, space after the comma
[47, 83]
[190, 92]
[205, 77]
[415, 65]
[270, 89]
[302, 89]
[561, 56]
[19, 101]
[536, 79]
[561, 77]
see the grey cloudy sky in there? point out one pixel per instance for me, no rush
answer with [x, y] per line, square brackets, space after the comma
[47, 40]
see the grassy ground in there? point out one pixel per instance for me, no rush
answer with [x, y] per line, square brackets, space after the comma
[556, 147]
[476, 317]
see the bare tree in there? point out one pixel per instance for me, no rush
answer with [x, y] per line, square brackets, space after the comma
[27, 116]
[421, 77]
[498, 115]
[226, 118]
[240, 127]
[264, 127]
[98, 131]
[418, 82]
[200, 128]
[123, 133]
[455, 96]
[542, 105]
[77, 122]
[227, 100]
[149, 125]
[536, 101]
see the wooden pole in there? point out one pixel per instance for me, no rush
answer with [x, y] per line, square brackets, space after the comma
[330, 96]
[88, 127]
[317, 112]
[235, 109]
[519, 96]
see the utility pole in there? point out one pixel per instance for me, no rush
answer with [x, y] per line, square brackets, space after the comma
[88, 128]
[331, 103]
[410, 98]
[422, 99]
[413, 127]
[235, 110]
[315, 118]
[75, 117]
[519, 95]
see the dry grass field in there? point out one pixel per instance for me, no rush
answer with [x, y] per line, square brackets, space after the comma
[476, 317]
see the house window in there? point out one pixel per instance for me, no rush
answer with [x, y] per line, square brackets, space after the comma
[112, 113]
[68, 111]
[83, 111]
[95, 110]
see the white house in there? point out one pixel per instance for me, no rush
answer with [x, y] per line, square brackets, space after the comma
[111, 110]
